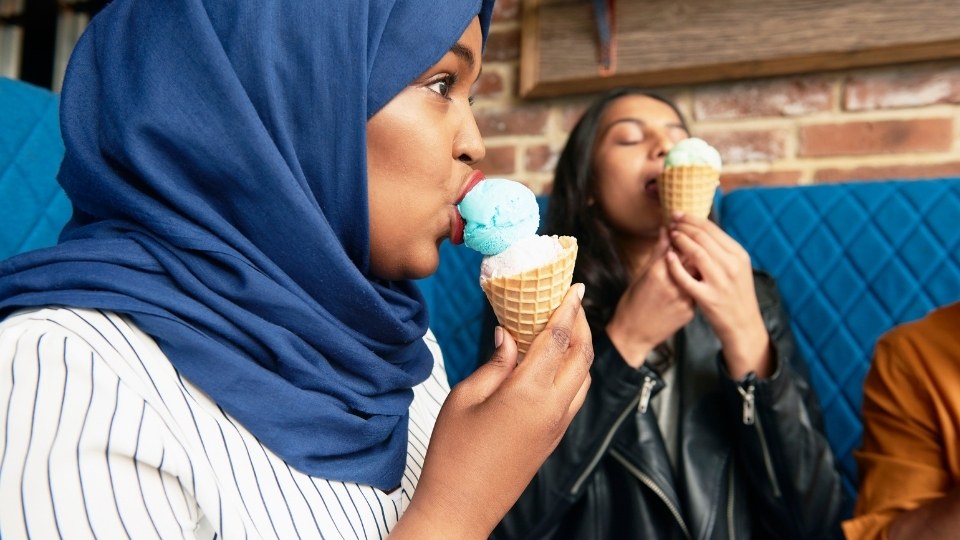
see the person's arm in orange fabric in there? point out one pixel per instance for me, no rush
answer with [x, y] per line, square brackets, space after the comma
[905, 491]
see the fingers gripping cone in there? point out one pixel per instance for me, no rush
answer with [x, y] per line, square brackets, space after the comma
[689, 189]
[524, 302]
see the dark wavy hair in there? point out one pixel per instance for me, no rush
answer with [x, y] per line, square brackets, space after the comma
[569, 212]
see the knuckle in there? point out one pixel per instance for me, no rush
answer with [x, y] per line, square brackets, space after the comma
[498, 359]
[560, 336]
[555, 424]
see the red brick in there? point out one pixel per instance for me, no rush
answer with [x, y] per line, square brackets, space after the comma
[880, 137]
[749, 145]
[489, 84]
[522, 120]
[731, 181]
[502, 46]
[506, 10]
[499, 160]
[914, 87]
[793, 96]
[541, 158]
[889, 172]
[571, 114]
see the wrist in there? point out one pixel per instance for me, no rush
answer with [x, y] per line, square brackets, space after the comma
[748, 351]
[632, 349]
[425, 521]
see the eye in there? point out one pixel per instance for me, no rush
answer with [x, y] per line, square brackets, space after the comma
[627, 134]
[443, 85]
[631, 138]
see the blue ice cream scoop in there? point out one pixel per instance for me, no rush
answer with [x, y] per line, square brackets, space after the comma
[498, 212]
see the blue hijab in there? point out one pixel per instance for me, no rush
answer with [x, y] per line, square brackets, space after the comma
[216, 162]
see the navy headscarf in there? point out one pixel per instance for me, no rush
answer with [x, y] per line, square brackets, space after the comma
[216, 161]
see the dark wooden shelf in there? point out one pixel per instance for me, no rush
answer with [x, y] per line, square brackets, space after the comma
[664, 42]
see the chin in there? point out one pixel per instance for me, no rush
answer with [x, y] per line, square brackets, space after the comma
[422, 266]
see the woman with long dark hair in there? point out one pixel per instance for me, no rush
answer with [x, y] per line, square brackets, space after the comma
[701, 422]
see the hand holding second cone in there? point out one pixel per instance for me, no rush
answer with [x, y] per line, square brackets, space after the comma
[499, 425]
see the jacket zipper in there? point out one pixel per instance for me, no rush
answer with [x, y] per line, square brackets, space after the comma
[646, 393]
[606, 441]
[647, 481]
[641, 402]
[750, 417]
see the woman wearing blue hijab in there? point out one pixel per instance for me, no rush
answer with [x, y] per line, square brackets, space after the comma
[226, 341]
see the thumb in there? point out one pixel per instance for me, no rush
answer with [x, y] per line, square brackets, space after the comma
[488, 377]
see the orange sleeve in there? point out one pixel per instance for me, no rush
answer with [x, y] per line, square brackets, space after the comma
[901, 460]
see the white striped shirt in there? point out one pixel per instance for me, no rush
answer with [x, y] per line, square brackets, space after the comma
[102, 438]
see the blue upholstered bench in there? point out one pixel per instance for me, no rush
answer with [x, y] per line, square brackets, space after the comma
[32, 207]
[852, 260]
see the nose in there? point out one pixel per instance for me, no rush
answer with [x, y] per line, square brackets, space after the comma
[468, 145]
[661, 145]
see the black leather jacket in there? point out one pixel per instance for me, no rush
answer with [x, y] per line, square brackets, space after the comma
[754, 460]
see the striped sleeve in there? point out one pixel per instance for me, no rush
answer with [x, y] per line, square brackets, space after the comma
[82, 455]
[102, 438]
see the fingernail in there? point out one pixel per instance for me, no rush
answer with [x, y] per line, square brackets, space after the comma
[497, 337]
[581, 289]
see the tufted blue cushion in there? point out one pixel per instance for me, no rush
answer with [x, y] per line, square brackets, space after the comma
[851, 260]
[33, 208]
[456, 306]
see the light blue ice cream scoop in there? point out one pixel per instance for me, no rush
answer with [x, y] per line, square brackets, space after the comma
[498, 212]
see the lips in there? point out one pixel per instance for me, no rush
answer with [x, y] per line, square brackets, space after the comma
[475, 178]
[456, 232]
[652, 189]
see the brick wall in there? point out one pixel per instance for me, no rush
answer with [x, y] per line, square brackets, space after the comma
[900, 121]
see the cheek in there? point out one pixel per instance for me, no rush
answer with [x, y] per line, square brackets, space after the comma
[406, 212]
[625, 204]
[409, 168]
[618, 183]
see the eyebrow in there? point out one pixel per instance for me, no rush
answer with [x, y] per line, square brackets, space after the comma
[640, 123]
[464, 53]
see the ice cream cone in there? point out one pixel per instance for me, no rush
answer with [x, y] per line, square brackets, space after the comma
[523, 302]
[689, 189]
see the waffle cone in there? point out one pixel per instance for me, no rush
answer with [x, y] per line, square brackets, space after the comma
[523, 302]
[689, 189]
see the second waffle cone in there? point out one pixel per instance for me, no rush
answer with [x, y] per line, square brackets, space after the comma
[689, 189]
[524, 302]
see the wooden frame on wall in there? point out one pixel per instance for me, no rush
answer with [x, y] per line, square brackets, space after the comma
[665, 42]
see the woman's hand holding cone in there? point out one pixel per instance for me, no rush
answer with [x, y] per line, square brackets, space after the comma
[722, 286]
[499, 425]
